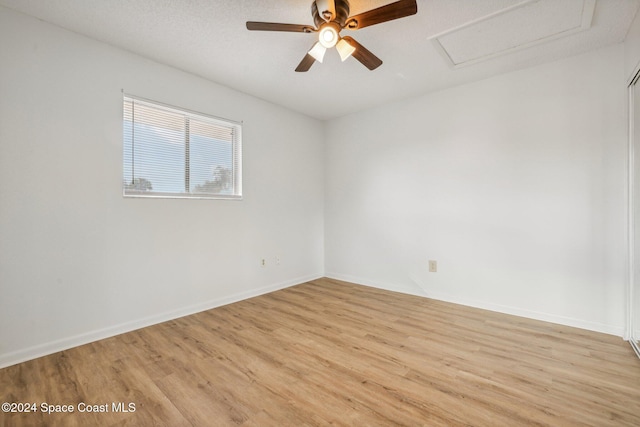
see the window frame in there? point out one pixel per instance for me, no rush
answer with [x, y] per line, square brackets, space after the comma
[236, 160]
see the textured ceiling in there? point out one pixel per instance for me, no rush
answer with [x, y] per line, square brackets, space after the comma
[209, 38]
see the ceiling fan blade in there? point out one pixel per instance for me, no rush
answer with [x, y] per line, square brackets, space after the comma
[363, 54]
[306, 63]
[399, 9]
[272, 26]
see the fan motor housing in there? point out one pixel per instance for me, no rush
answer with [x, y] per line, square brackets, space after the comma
[342, 13]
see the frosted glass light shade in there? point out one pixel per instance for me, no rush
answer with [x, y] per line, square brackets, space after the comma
[318, 51]
[345, 49]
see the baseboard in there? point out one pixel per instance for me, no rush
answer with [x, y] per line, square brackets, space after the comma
[92, 336]
[411, 290]
[515, 311]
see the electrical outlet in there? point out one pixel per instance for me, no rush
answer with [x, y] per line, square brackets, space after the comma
[263, 262]
[433, 266]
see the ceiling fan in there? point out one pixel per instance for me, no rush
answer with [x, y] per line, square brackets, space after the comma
[332, 16]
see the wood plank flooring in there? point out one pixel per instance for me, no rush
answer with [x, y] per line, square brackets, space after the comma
[333, 353]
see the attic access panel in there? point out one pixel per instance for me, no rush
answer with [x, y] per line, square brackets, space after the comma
[526, 24]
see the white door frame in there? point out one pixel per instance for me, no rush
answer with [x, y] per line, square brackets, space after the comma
[631, 244]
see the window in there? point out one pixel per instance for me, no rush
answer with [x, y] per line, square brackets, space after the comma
[174, 153]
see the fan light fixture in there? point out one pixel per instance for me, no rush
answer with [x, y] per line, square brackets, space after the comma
[328, 37]
[344, 49]
[332, 16]
[318, 51]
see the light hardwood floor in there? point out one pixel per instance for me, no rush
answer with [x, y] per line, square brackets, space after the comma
[333, 353]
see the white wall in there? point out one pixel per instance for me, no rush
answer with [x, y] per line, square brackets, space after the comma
[632, 47]
[78, 261]
[515, 185]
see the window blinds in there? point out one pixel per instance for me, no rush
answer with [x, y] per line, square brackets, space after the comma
[169, 152]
